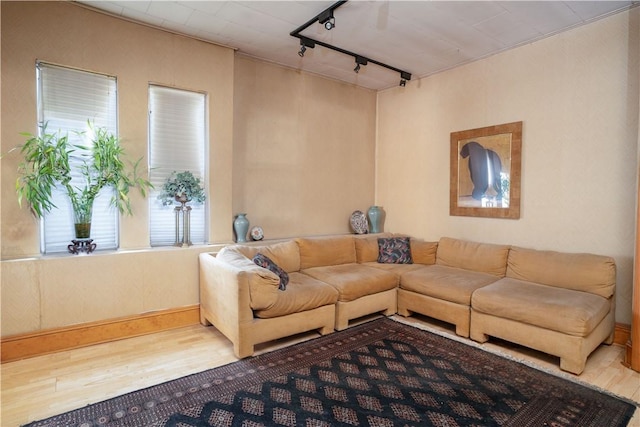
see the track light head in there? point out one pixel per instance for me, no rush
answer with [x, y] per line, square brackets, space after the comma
[404, 76]
[330, 24]
[360, 61]
[326, 18]
[304, 44]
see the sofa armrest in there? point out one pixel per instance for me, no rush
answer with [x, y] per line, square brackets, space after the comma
[226, 298]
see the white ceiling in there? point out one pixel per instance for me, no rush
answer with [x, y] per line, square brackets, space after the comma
[420, 37]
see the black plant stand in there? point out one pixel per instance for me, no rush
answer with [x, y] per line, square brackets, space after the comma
[81, 245]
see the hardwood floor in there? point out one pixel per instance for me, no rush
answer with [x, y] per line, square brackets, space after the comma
[43, 386]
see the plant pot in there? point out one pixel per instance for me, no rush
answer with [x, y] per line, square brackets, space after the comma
[83, 230]
[181, 198]
[82, 221]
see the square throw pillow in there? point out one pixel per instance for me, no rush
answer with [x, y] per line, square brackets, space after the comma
[394, 250]
[265, 262]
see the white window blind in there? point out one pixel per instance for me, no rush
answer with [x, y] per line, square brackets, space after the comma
[67, 99]
[177, 142]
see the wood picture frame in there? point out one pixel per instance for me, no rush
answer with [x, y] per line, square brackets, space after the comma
[486, 171]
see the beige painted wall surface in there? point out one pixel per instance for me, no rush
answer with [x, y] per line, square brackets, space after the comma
[304, 150]
[303, 157]
[45, 292]
[136, 55]
[577, 94]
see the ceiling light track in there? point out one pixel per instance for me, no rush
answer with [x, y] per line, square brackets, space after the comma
[328, 20]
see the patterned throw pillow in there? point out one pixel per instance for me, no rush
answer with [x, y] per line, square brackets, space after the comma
[394, 250]
[265, 262]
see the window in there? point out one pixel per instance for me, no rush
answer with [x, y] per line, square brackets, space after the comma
[177, 142]
[67, 99]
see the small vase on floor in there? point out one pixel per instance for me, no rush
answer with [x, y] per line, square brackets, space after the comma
[241, 227]
[376, 218]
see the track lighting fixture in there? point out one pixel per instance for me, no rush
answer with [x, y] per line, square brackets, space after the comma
[404, 76]
[304, 44]
[326, 18]
[360, 61]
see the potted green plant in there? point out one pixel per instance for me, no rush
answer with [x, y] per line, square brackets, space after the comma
[46, 165]
[182, 187]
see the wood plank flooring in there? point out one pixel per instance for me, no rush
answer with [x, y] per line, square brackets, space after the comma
[43, 386]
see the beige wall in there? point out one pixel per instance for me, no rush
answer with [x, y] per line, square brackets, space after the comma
[301, 162]
[304, 150]
[45, 292]
[67, 34]
[577, 94]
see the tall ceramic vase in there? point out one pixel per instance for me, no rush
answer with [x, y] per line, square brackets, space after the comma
[375, 215]
[241, 227]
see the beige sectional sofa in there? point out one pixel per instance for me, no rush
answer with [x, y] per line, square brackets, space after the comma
[559, 303]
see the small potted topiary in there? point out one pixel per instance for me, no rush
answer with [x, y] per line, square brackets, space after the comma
[183, 187]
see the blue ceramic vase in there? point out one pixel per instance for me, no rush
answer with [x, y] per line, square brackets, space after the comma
[241, 227]
[375, 215]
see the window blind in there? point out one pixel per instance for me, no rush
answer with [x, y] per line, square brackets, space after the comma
[177, 142]
[67, 99]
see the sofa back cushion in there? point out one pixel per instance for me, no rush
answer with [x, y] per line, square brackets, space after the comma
[367, 246]
[591, 273]
[323, 251]
[423, 252]
[285, 254]
[481, 257]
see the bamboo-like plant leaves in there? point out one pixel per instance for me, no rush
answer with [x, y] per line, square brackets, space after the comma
[46, 163]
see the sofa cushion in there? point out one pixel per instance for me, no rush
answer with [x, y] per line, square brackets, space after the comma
[266, 262]
[446, 283]
[303, 293]
[558, 309]
[354, 280]
[398, 269]
[423, 252]
[583, 272]
[323, 251]
[263, 284]
[394, 250]
[285, 254]
[481, 257]
[367, 247]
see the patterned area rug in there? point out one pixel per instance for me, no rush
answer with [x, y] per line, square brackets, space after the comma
[378, 374]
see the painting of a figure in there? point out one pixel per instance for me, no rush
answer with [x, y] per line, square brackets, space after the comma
[485, 171]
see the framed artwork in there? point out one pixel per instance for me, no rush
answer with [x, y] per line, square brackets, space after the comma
[485, 171]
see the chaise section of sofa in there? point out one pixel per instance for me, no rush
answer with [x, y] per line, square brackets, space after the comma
[443, 290]
[243, 301]
[559, 303]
